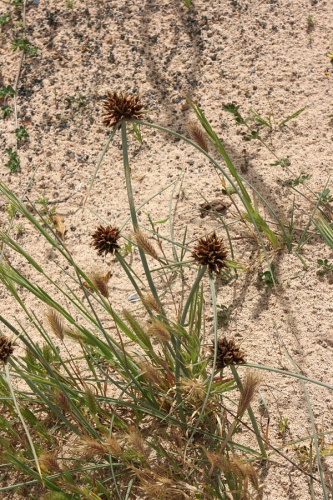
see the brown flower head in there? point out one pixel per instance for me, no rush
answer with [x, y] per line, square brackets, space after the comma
[228, 354]
[105, 239]
[211, 252]
[120, 107]
[6, 348]
[198, 135]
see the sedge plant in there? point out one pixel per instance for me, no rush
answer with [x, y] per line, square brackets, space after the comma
[147, 410]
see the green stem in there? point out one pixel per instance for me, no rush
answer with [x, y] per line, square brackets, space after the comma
[135, 223]
[12, 393]
[194, 288]
[211, 377]
[289, 374]
[106, 147]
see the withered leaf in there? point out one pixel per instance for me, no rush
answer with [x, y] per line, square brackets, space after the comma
[59, 225]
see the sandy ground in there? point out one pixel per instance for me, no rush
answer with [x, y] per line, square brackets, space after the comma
[263, 55]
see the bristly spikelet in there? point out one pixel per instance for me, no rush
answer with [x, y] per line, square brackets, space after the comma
[250, 385]
[159, 330]
[198, 135]
[62, 400]
[92, 447]
[193, 388]
[6, 348]
[56, 323]
[143, 242]
[233, 464]
[119, 107]
[154, 377]
[100, 281]
[150, 302]
[105, 239]
[228, 353]
[211, 252]
[48, 463]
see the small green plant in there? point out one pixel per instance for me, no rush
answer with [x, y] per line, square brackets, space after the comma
[14, 161]
[6, 111]
[283, 426]
[224, 314]
[282, 162]
[233, 108]
[21, 133]
[10, 210]
[326, 267]
[6, 91]
[24, 45]
[17, 3]
[268, 277]
[4, 19]
[310, 24]
[45, 208]
[126, 249]
[20, 230]
[297, 181]
[325, 197]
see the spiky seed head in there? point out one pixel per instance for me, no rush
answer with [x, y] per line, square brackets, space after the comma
[92, 447]
[250, 385]
[56, 323]
[113, 446]
[228, 353]
[119, 107]
[138, 442]
[6, 348]
[62, 401]
[198, 135]
[150, 302]
[49, 463]
[152, 375]
[211, 252]
[145, 244]
[105, 239]
[100, 281]
[158, 329]
[194, 389]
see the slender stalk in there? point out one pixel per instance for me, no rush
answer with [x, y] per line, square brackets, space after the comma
[99, 163]
[211, 376]
[251, 415]
[289, 374]
[135, 223]
[314, 430]
[12, 393]
[194, 288]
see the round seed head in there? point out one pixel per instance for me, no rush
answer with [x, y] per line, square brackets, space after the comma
[228, 353]
[105, 239]
[211, 252]
[6, 348]
[119, 107]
